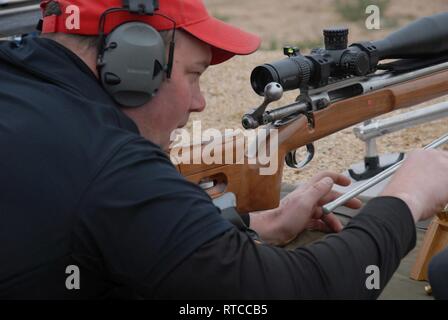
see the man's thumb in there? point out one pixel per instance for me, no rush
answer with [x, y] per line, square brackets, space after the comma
[320, 188]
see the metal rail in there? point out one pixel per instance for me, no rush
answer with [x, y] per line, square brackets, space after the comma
[377, 179]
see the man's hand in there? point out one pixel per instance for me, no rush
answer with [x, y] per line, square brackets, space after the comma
[422, 183]
[302, 209]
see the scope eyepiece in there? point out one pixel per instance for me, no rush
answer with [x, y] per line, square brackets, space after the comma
[291, 73]
[261, 76]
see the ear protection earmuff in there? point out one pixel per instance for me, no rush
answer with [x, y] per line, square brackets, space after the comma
[133, 63]
[131, 59]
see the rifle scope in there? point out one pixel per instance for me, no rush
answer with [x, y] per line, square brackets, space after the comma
[423, 38]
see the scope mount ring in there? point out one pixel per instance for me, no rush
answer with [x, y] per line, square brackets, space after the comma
[291, 158]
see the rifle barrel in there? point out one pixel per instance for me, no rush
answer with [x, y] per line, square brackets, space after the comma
[378, 128]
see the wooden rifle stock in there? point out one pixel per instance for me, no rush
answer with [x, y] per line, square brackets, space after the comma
[255, 192]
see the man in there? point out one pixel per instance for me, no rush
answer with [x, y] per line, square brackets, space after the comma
[87, 187]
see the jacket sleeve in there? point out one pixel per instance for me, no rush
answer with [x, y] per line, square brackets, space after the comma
[232, 266]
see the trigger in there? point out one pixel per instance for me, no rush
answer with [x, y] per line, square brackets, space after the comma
[291, 157]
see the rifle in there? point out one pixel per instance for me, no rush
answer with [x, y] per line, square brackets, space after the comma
[339, 87]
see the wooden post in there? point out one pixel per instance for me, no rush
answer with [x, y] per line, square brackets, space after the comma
[436, 239]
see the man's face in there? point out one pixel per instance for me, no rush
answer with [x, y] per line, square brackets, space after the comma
[178, 96]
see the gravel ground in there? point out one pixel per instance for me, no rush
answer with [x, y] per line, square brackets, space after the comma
[229, 94]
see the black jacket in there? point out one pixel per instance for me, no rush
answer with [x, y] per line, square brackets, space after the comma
[80, 186]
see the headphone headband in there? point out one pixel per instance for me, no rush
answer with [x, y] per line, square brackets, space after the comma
[141, 6]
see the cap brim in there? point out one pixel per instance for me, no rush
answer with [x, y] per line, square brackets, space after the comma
[226, 40]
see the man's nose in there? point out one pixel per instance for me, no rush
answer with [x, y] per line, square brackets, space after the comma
[198, 104]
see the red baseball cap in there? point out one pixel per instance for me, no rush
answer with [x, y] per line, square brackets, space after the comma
[83, 16]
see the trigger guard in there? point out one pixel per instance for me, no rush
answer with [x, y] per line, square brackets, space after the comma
[291, 160]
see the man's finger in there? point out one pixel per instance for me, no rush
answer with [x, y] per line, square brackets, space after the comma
[338, 179]
[318, 225]
[318, 190]
[333, 222]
